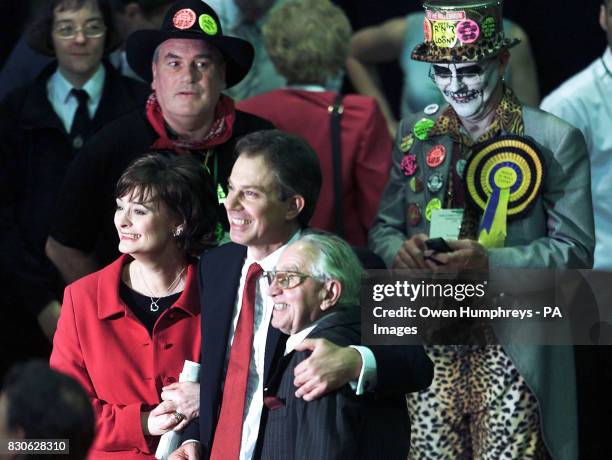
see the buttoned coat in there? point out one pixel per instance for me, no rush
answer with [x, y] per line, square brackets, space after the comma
[102, 344]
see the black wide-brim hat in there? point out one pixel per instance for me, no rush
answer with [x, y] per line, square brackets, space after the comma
[194, 20]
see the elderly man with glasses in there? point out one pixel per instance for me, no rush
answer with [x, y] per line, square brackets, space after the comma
[508, 186]
[315, 293]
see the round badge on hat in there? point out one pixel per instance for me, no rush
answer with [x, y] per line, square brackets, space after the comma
[184, 19]
[409, 165]
[414, 214]
[406, 143]
[436, 156]
[416, 184]
[208, 24]
[431, 109]
[460, 167]
[503, 178]
[435, 183]
[422, 127]
[433, 205]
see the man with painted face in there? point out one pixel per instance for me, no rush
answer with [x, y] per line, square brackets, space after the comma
[490, 401]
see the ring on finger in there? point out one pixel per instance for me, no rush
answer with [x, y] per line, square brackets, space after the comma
[178, 416]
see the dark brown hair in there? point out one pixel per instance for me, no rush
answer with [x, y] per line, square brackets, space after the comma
[39, 32]
[294, 163]
[183, 186]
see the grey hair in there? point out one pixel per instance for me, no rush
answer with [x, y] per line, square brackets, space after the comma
[334, 259]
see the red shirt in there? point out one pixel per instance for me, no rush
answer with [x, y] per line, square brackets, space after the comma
[100, 342]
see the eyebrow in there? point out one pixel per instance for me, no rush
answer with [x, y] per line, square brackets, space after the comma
[171, 55]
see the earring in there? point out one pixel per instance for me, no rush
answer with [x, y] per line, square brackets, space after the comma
[177, 232]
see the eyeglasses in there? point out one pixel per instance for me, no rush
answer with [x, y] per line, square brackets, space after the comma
[287, 279]
[94, 29]
[443, 76]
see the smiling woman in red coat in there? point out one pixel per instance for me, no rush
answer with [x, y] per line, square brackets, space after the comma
[125, 331]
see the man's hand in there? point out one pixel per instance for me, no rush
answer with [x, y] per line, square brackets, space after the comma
[328, 368]
[47, 319]
[188, 451]
[413, 255]
[185, 397]
[466, 255]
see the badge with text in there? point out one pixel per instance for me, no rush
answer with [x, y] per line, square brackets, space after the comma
[406, 143]
[436, 156]
[503, 177]
[409, 165]
[422, 127]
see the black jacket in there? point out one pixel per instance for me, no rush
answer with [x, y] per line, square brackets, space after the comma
[35, 154]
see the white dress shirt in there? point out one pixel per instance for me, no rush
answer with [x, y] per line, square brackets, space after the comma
[585, 101]
[65, 103]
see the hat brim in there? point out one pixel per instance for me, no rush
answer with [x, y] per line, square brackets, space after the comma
[428, 52]
[237, 53]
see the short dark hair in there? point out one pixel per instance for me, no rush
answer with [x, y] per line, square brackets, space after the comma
[293, 162]
[181, 184]
[46, 404]
[39, 32]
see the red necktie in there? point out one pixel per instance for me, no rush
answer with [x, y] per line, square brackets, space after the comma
[226, 445]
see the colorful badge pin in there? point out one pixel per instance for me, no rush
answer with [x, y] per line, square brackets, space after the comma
[431, 109]
[435, 183]
[422, 127]
[433, 205]
[416, 184]
[406, 143]
[409, 165]
[436, 156]
[414, 214]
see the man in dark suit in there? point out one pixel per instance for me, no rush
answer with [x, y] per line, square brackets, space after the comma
[272, 192]
[315, 290]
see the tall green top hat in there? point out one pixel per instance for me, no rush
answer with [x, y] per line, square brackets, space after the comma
[462, 31]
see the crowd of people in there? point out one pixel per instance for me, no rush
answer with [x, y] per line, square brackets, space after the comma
[185, 181]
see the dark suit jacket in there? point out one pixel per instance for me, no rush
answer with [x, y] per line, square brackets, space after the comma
[400, 369]
[340, 425]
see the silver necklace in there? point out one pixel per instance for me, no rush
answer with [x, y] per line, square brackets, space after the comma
[154, 305]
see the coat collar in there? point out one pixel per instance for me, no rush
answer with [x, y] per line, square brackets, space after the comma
[110, 304]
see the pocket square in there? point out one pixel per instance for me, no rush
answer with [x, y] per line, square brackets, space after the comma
[272, 402]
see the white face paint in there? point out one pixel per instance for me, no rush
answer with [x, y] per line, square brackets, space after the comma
[467, 87]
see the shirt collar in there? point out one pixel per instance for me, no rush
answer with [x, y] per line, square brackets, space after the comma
[269, 262]
[62, 87]
[297, 338]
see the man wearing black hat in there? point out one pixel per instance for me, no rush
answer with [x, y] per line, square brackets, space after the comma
[508, 186]
[189, 62]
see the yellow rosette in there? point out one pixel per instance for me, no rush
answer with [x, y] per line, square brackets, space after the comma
[503, 178]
